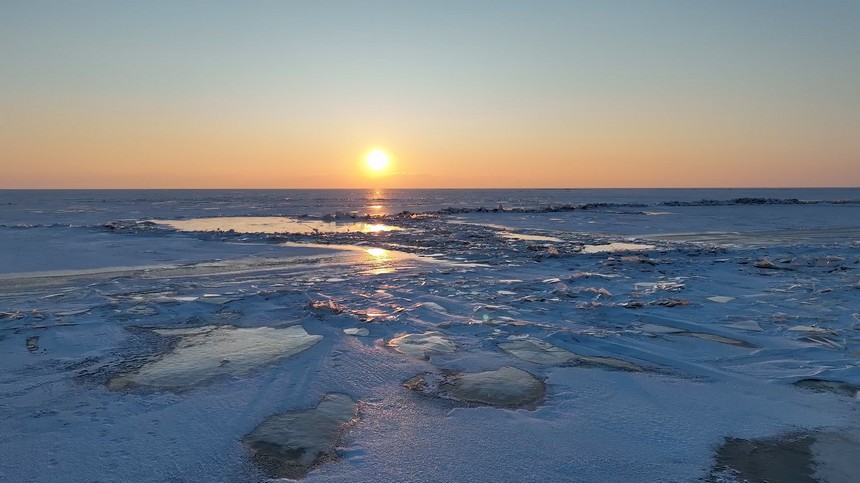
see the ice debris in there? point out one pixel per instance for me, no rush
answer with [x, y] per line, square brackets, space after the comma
[205, 353]
[291, 444]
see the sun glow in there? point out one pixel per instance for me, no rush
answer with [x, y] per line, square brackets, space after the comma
[377, 161]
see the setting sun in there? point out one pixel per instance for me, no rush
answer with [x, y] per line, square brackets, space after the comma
[377, 160]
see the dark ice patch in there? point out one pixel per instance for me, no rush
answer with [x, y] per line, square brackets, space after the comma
[291, 444]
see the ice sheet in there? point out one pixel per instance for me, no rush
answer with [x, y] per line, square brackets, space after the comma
[711, 343]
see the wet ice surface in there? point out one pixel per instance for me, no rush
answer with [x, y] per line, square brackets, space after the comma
[643, 362]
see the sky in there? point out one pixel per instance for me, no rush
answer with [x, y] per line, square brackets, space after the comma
[459, 94]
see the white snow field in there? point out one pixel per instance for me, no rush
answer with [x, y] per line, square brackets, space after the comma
[618, 335]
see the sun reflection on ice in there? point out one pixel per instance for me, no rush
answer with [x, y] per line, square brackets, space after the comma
[380, 257]
[379, 254]
[379, 227]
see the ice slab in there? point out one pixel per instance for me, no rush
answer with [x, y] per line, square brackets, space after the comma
[357, 331]
[291, 444]
[506, 387]
[720, 299]
[205, 353]
[419, 345]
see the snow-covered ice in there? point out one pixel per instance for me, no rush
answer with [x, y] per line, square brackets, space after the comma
[149, 352]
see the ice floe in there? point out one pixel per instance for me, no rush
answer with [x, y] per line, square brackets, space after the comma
[505, 387]
[357, 331]
[291, 444]
[421, 345]
[206, 353]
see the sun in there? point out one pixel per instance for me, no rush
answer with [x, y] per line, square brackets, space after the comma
[377, 160]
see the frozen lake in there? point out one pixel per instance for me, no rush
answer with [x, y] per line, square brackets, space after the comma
[429, 335]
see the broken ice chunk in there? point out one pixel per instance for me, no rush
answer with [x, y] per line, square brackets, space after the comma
[720, 299]
[506, 387]
[205, 353]
[358, 331]
[291, 444]
[419, 345]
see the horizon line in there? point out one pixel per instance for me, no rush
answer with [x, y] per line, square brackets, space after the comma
[439, 188]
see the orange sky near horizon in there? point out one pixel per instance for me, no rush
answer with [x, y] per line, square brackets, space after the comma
[576, 96]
